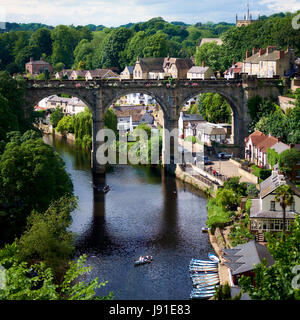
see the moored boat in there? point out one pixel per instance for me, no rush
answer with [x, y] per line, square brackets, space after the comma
[205, 230]
[213, 257]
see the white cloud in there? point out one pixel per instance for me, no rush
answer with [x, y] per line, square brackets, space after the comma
[281, 6]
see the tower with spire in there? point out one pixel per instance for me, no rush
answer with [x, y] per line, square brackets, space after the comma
[247, 18]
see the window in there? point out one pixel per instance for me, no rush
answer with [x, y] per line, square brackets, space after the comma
[292, 207]
[272, 206]
[298, 174]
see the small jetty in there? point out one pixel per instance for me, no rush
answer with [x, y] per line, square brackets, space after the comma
[204, 276]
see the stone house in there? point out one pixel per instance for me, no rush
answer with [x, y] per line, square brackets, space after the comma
[38, 66]
[63, 73]
[78, 74]
[99, 74]
[196, 73]
[177, 68]
[268, 62]
[74, 106]
[127, 73]
[208, 132]
[55, 101]
[149, 68]
[266, 213]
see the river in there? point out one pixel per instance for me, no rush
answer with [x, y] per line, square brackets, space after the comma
[145, 212]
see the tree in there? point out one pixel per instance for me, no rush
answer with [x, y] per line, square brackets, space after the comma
[27, 167]
[111, 120]
[42, 39]
[56, 116]
[8, 120]
[156, 46]
[272, 157]
[65, 125]
[210, 53]
[227, 199]
[112, 46]
[284, 196]
[64, 43]
[49, 230]
[287, 161]
[36, 281]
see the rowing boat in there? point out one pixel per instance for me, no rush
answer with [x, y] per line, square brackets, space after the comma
[202, 296]
[203, 261]
[213, 257]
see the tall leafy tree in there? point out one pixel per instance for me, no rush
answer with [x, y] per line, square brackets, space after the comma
[284, 196]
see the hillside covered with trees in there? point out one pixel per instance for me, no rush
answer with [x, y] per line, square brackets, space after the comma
[91, 46]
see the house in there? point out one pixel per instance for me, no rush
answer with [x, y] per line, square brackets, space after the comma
[74, 106]
[208, 40]
[149, 68]
[177, 68]
[256, 146]
[242, 259]
[266, 213]
[127, 73]
[78, 74]
[208, 132]
[129, 117]
[65, 73]
[99, 74]
[268, 62]
[196, 73]
[188, 121]
[38, 66]
[234, 70]
[55, 101]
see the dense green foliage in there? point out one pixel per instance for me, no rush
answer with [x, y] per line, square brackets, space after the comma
[36, 281]
[56, 116]
[65, 125]
[28, 166]
[272, 157]
[83, 129]
[213, 108]
[287, 161]
[277, 282]
[96, 46]
[261, 173]
[267, 117]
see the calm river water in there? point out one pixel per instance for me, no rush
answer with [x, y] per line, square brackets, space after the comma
[143, 213]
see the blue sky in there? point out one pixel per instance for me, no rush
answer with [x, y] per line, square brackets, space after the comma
[118, 12]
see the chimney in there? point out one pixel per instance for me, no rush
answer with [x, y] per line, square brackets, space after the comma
[254, 51]
[270, 49]
[31, 59]
[247, 54]
[203, 63]
[262, 51]
[281, 54]
[41, 58]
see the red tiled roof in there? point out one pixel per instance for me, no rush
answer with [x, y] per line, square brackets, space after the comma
[256, 137]
[267, 143]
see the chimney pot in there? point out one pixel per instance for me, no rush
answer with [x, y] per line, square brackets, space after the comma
[247, 54]
[203, 63]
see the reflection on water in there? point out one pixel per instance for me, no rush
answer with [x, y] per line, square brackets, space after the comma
[145, 212]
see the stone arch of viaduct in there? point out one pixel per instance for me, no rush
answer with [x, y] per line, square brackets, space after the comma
[100, 95]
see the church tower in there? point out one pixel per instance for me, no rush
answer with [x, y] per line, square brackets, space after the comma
[247, 18]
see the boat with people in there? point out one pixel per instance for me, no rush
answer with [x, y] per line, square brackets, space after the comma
[102, 189]
[213, 257]
[143, 260]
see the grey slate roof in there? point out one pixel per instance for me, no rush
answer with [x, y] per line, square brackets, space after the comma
[271, 183]
[192, 117]
[246, 256]
[199, 70]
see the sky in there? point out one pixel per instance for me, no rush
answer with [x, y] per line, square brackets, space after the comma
[113, 13]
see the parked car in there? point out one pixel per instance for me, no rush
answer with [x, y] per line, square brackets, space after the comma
[224, 155]
[207, 160]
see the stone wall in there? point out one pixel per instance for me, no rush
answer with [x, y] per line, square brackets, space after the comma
[286, 102]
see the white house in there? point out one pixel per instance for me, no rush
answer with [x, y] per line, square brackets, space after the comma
[187, 123]
[200, 73]
[265, 213]
[75, 106]
[208, 132]
[125, 123]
